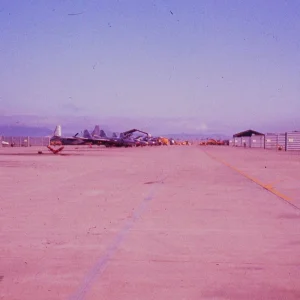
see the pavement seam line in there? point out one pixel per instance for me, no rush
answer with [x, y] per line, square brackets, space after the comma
[98, 268]
[267, 187]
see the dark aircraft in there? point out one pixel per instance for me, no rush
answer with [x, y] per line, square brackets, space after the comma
[125, 139]
[97, 140]
[86, 139]
[57, 138]
[99, 137]
[119, 141]
[140, 141]
[98, 134]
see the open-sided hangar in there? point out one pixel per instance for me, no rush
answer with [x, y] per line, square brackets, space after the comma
[249, 139]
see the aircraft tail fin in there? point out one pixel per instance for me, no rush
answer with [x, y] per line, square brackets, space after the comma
[86, 134]
[96, 131]
[57, 131]
[103, 134]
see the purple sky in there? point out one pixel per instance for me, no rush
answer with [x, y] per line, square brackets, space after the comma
[189, 66]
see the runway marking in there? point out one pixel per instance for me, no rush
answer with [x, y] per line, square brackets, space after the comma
[99, 267]
[267, 187]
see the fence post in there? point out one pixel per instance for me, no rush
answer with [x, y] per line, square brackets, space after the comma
[286, 141]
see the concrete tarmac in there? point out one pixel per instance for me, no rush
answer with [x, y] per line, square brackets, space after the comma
[176, 222]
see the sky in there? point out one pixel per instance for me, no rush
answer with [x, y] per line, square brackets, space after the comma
[187, 66]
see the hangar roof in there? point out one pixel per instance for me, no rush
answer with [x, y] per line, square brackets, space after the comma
[249, 132]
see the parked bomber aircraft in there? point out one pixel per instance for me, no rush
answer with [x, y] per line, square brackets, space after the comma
[140, 141]
[99, 137]
[123, 140]
[86, 139]
[57, 138]
[97, 140]
[119, 141]
[100, 134]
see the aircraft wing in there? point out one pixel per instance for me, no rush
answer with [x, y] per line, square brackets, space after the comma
[128, 133]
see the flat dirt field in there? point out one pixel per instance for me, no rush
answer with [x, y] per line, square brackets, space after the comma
[176, 222]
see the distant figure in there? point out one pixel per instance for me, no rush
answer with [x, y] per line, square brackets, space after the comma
[244, 145]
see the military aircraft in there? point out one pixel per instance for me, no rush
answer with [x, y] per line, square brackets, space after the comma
[127, 137]
[119, 141]
[57, 138]
[96, 139]
[100, 134]
[99, 137]
[140, 141]
[124, 139]
[86, 139]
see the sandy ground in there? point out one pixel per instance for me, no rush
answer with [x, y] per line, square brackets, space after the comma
[173, 222]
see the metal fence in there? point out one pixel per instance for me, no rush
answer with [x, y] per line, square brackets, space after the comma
[275, 141]
[271, 141]
[24, 141]
[282, 140]
[293, 141]
[257, 141]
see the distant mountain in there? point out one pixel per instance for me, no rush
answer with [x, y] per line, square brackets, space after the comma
[42, 125]
[6, 130]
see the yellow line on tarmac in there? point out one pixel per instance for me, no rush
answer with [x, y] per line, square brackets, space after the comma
[268, 187]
